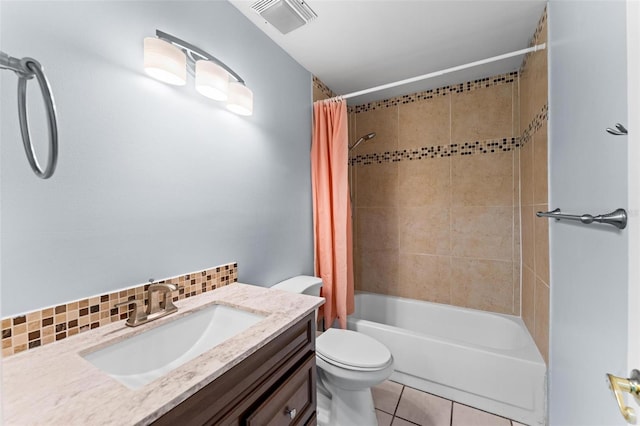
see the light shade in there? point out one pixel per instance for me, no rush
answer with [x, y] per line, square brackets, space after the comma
[212, 80]
[240, 99]
[164, 61]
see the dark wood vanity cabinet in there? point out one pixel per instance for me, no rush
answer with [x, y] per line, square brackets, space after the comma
[275, 386]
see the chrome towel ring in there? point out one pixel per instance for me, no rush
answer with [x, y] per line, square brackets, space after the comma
[26, 69]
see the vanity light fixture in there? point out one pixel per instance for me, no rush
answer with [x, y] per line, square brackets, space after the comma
[167, 58]
[240, 99]
[164, 61]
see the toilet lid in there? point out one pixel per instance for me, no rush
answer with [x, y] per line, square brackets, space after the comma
[350, 348]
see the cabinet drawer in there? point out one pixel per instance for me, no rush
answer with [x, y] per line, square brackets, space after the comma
[291, 402]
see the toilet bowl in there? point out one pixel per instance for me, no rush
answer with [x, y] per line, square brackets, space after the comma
[349, 364]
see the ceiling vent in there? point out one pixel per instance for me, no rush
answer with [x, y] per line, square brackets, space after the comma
[285, 15]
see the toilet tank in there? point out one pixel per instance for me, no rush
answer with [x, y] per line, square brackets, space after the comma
[302, 284]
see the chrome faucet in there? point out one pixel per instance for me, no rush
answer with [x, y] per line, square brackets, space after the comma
[157, 308]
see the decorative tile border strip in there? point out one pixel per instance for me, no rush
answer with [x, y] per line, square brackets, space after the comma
[438, 92]
[535, 125]
[466, 148]
[55, 323]
[323, 87]
[535, 39]
[539, 28]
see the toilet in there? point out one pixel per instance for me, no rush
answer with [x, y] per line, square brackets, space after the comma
[349, 364]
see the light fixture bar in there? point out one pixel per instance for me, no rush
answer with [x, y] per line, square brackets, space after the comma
[191, 50]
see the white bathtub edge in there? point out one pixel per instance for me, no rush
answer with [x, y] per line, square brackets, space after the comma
[527, 417]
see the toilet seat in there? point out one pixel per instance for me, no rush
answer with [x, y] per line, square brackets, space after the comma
[352, 350]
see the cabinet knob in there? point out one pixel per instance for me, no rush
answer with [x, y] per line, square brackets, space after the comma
[291, 413]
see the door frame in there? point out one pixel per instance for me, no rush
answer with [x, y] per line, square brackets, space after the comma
[633, 141]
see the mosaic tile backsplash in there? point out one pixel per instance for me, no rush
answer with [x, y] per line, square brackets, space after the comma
[55, 323]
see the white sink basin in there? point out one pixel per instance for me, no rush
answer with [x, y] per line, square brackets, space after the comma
[147, 356]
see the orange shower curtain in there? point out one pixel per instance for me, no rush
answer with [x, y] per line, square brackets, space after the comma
[332, 209]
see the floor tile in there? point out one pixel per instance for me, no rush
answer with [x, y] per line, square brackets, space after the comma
[423, 408]
[467, 416]
[384, 419]
[386, 396]
[397, 421]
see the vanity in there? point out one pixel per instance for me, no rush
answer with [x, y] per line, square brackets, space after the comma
[262, 375]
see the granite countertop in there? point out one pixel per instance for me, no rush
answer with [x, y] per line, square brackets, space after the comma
[54, 385]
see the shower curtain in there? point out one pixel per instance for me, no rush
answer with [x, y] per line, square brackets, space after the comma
[332, 209]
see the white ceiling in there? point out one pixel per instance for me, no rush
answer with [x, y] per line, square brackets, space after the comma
[358, 44]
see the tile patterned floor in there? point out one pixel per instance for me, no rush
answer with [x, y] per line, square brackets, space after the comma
[399, 405]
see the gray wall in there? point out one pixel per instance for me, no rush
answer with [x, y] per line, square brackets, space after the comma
[153, 180]
[588, 174]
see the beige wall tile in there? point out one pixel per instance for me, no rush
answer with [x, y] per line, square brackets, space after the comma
[516, 288]
[515, 107]
[542, 36]
[524, 99]
[377, 185]
[384, 122]
[541, 335]
[425, 123]
[528, 298]
[482, 232]
[352, 129]
[527, 242]
[516, 177]
[482, 114]
[424, 277]
[378, 271]
[526, 174]
[377, 228]
[538, 96]
[516, 233]
[353, 192]
[424, 182]
[534, 86]
[424, 230]
[318, 94]
[482, 284]
[540, 185]
[482, 180]
[541, 244]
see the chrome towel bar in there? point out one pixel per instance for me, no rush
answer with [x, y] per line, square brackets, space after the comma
[617, 218]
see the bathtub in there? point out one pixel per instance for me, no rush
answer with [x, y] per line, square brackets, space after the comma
[485, 360]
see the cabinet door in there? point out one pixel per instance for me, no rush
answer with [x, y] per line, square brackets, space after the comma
[292, 402]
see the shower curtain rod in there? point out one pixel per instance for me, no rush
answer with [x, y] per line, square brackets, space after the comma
[445, 71]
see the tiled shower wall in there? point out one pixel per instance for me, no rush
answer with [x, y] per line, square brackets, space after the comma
[443, 193]
[534, 192]
[436, 195]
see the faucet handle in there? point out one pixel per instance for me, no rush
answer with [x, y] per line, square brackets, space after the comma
[167, 300]
[138, 316]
